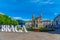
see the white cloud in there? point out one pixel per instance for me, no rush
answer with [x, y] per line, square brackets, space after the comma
[51, 2]
[47, 2]
[21, 18]
[43, 2]
[17, 18]
[45, 19]
[56, 14]
[2, 13]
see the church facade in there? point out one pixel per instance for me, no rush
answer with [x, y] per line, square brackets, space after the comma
[37, 22]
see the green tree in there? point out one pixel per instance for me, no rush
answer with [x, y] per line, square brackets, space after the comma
[6, 20]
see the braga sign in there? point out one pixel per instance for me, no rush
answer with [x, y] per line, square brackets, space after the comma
[12, 28]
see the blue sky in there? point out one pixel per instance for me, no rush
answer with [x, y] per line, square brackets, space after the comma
[23, 9]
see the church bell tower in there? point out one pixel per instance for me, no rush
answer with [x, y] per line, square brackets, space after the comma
[33, 20]
[40, 25]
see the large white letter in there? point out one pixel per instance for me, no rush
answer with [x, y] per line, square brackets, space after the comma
[17, 26]
[3, 28]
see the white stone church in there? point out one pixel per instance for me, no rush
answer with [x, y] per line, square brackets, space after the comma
[38, 22]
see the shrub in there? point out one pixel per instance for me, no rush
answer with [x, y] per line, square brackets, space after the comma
[38, 29]
[19, 28]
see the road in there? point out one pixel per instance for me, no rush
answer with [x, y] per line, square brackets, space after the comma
[55, 35]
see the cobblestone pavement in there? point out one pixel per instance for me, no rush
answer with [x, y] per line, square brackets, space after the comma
[29, 36]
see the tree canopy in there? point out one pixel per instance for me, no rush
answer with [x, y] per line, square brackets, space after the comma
[6, 20]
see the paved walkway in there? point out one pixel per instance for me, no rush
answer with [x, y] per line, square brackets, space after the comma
[30, 36]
